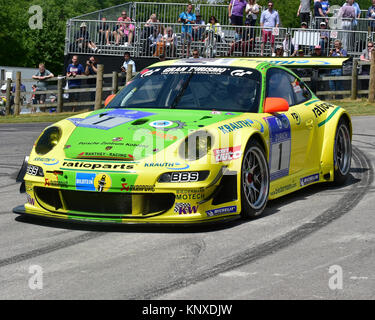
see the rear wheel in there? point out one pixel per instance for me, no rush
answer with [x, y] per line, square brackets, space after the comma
[342, 153]
[255, 180]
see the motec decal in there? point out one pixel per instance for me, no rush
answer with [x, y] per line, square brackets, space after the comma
[102, 182]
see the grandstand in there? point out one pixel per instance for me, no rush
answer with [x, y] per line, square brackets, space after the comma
[232, 41]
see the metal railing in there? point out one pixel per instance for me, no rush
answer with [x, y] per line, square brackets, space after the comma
[228, 40]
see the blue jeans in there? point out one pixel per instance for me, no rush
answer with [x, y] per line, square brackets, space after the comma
[335, 85]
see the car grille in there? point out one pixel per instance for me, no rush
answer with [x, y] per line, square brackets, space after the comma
[106, 204]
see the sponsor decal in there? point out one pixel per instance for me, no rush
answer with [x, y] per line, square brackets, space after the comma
[296, 117]
[163, 135]
[220, 211]
[108, 148]
[137, 188]
[122, 156]
[95, 166]
[148, 72]
[321, 108]
[280, 146]
[168, 165]
[227, 154]
[196, 69]
[190, 196]
[185, 208]
[233, 126]
[240, 73]
[30, 200]
[47, 161]
[117, 139]
[110, 119]
[161, 124]
[309, 179]
[85, 181]
[102, 182]
[283, 188]
[215, 112]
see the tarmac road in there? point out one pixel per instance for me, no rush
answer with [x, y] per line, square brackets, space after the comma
[299, 249]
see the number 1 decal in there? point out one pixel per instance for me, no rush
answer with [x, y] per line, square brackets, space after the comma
[280, 146]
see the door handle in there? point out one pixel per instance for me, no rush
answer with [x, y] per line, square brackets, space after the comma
[310, 123]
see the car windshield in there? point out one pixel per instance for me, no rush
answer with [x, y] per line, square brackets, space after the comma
[193, 87]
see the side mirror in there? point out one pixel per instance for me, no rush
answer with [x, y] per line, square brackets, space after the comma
[109, 98]
[274, 105]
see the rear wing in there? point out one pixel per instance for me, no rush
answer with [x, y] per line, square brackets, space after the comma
[313, 62]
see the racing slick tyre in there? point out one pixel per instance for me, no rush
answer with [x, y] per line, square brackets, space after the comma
[255, 180]
[342, 152]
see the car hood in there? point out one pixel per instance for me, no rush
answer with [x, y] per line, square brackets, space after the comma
[119, 134]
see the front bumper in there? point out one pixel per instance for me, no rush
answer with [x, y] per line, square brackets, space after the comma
[60, 194]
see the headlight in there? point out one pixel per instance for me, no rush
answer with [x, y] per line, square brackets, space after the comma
[48, 140]
[196, 145]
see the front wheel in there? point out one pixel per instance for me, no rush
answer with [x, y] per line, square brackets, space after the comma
[255, 180]
[342, 153]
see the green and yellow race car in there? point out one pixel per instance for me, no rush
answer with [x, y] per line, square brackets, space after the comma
[190, 141]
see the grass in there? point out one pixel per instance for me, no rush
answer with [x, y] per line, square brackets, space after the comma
[355, 108]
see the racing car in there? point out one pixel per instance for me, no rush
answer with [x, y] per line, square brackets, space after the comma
[190, 141]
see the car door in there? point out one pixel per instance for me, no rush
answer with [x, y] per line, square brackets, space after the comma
[291, 132]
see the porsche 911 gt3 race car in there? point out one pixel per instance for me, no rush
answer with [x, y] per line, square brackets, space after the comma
[190, 141]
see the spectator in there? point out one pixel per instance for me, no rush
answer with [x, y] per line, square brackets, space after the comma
[317, 52]
[252, 10]
[324, 36]
[318, 13]
[214, 26]
[279, 51]
[126, 31]
[128, 62]
[235, 12]
[198, 28]
[325, 7]
[105, 32]
[162, 57]
[42, 85]
[348, 15]
[119, 26]
[150, 25]
[338, 51]
[170, 42]
[242, 42]
[74, 69]
[153, 41]
[304, 11]
[366, 57]
[288, 45]
[91, 69]
[195, 54]
[371, 15]
[187, 18]
[82, 39]
[269, 20]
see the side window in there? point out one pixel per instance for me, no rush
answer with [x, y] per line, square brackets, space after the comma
[279, 85]
[301, 92]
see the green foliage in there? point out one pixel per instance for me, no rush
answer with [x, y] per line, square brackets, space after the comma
[24, 47]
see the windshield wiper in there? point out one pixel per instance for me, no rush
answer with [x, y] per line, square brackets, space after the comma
[182, 91]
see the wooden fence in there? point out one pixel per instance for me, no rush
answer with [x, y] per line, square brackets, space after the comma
[353, 92]
[59, 92]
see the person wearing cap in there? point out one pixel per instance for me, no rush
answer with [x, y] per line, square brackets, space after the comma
[83, 39]
[324, 36]
[304, 11]
[279, 51]
[317, 52]
[199, 27]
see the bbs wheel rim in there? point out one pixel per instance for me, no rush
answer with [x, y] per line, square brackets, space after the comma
[343, 150]
[255, 179]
